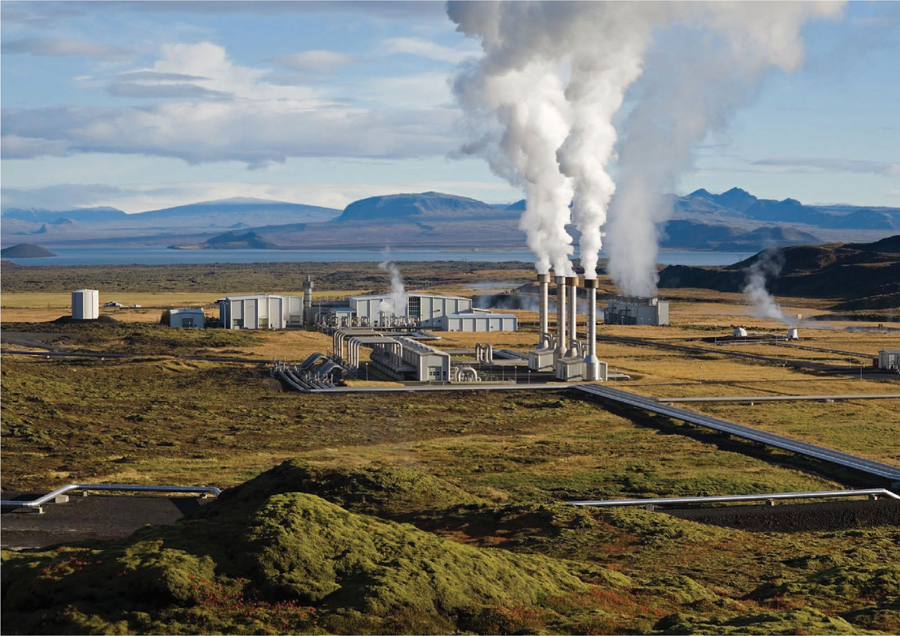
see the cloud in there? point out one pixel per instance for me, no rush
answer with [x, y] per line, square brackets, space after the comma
[426, 49]
[18, 147]
[824, 165]
[48, 47]
[58, 197]
[229, 112]
[177, 89]
[313, 61]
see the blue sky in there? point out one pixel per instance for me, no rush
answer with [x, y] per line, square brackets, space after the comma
[150, 104]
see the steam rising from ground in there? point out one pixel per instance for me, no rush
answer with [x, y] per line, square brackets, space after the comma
[541, 103]
[768, 264]
[395, 304]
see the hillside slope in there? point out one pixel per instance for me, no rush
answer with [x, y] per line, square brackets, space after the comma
[863, 275]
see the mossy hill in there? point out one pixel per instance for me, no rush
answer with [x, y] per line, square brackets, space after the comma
[26, 250]
[274, 555]
[860, 275]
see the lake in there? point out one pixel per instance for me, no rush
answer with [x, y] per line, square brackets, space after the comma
[162, 256]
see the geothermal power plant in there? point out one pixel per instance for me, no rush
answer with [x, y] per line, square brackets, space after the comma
[562, 353]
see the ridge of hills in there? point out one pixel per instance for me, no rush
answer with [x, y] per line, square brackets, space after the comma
[734, 220]
[868, 274]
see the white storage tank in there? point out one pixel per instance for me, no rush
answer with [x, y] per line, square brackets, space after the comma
[793, 334]
[739, 332]
[85, 304]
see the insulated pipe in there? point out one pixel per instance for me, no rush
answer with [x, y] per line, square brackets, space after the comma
[561, 317]
[591, 362]
[544, 281]
[572, 283]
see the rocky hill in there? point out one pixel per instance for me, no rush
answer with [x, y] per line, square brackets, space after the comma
[862, 275]
[26, 250]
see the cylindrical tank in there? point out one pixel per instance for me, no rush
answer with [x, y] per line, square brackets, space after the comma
[85, 304]
[792, 334]
[740, 332]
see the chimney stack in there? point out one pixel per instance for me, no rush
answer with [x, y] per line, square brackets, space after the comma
[544, 281]
[561, 317]
[591, 362]
[307, 300]
[572, 282]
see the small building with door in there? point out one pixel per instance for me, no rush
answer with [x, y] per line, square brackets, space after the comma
[187, 318]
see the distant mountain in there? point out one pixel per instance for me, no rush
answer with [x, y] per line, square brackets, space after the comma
[863, 276]
[428, 205]
[229, 212]
[78, 215]
[233, 241]
[731, 220]
[26, 250]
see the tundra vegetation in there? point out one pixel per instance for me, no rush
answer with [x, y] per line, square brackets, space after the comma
[446, 513]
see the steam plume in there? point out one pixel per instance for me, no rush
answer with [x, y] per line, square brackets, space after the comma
[767, 264]
[552, 78]
[395, 304]
[702, 69]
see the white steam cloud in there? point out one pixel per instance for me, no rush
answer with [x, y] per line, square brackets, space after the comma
[395, 304]
[541, 103]
[767, 264]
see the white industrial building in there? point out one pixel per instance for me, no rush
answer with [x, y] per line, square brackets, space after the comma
[187, 318]
[471, 321]
[634, 310]
[889, 359]
[429, 311]
[85, 304]
[426, 309]
[261, 311]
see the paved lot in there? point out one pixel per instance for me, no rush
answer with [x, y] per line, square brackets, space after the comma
[92, 517]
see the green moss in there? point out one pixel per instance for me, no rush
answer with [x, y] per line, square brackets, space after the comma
[256, 562]
[790, 622]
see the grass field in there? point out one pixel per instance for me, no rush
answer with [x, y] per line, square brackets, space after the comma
[479, 476]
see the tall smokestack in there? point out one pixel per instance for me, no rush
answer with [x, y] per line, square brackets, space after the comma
[572, 283]
[560, 317]
[544, 281]
[307, 300]
[591, 362]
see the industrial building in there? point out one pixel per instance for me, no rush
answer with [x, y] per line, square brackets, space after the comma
[426, 311]
[261, 311]
[187, 318]
[634, 310]
[423, 310]
[478, 321]
[889, 360]
[85, 304]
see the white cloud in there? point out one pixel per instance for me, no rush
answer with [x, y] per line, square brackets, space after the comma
[313, 61]
[426, 49]
[827, 165]
[218, 111]
[49, 47]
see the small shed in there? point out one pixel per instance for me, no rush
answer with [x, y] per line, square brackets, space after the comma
[187, 318]
[889, 360]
